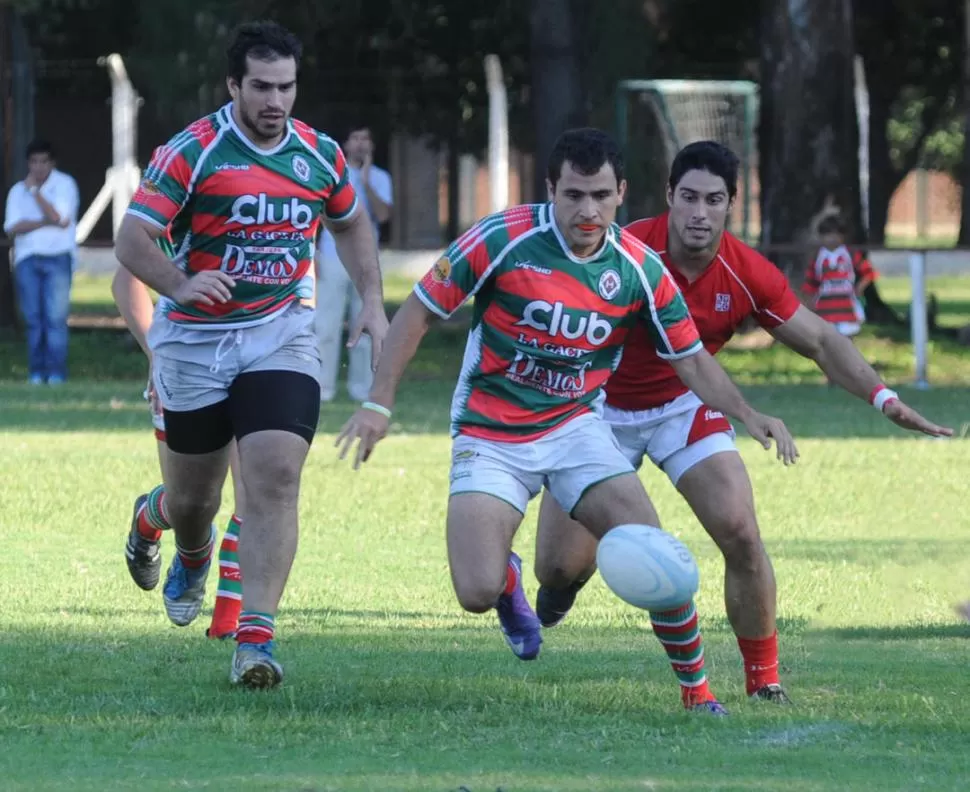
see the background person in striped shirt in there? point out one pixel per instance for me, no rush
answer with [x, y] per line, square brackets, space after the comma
[837, 278]
[236, 200]
[557, 288]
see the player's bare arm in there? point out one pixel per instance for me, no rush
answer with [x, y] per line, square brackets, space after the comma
[357, 249]
[135, 248]
[812, 337]
[369, 424]
[134, 304]
[703, 374]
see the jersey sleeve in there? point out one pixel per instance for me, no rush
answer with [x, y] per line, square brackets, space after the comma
[460, 272]
[775, 302]
[669, 323]
[340, 199]
[164, 187]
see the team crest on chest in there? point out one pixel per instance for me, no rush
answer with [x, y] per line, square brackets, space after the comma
[609, 285]
[722, 302]
[301, 168]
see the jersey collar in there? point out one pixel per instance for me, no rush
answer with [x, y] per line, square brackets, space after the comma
[230, 121]
[607, 239]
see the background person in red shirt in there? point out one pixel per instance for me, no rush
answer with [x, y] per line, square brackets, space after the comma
[654, 415]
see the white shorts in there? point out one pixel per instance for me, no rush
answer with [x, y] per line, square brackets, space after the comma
[675, 436]
[567, 462]
[192, 369]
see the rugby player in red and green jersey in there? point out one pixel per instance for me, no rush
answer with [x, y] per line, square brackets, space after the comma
[557, 287]
[240, 194]
[656, 413]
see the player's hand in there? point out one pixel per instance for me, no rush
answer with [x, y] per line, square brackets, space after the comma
[764, 429]
[366, 426]
[210, 287]
[373, 321]
[905, 416]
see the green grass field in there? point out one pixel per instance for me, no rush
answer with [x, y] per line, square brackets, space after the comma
[390, 687]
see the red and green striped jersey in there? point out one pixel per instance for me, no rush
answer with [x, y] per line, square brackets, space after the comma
[252, 213]
[548, 327]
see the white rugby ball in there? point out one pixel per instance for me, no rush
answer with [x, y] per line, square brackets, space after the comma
[647, 567]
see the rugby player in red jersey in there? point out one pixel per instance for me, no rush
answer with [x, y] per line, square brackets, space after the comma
[655, 414]
[557, 287]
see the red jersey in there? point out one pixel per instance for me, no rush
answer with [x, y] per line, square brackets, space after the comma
[831, 278]
[738, 283]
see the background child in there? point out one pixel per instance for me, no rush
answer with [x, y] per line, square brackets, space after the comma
[836, 279]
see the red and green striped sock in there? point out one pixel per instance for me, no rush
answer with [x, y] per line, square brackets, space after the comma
[680, 635]
[152, 519]
[255, 627]
[225, 615]
[198, 557]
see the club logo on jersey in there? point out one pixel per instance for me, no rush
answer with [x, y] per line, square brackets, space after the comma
[268, 266]
[441, 271]
[609, 285]
[552, 319]
[301, 168]
[568, 382]
[264, 210]
[149, 187]
[722, 302]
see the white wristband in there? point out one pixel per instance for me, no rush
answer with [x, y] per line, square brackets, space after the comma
[375, 407]
[881, 396]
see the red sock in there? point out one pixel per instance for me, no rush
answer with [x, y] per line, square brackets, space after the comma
[198, 558]
[145, 529]
[511, 579]
[151, 517]
[760, 661]
[680, 635]
[225, 614]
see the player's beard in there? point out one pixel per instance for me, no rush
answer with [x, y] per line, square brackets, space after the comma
[261, 132]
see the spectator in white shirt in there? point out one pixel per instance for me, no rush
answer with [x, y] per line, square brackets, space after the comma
[41, 214]
[334, 289]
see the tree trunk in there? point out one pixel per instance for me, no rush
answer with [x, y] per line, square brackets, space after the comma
[882, 179]
[964, 238]
[808, 131]
[556, 84]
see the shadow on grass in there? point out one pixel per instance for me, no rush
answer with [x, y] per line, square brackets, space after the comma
[868, 552]
[107, 375]
[424, 404]
[960, 630]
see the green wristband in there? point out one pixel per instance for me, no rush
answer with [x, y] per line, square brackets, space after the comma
[378, 408]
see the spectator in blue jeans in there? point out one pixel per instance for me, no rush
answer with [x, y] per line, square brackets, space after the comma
[41, 216]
